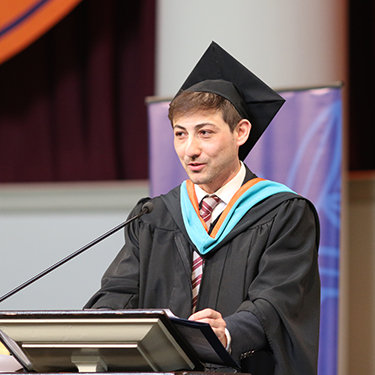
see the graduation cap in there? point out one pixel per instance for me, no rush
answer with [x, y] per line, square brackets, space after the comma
[220, 73]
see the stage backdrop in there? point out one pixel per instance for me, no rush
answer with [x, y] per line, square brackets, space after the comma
[302, 148]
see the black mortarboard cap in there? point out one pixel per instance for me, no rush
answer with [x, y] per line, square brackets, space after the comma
[220, 73]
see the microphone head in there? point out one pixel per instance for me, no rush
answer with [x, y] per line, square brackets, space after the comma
[147, 207]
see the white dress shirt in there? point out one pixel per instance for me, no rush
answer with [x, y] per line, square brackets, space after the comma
[225, 193]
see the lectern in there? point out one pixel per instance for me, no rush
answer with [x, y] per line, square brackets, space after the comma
[115, 341]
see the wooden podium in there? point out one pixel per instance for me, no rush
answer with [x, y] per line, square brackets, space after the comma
[110, 341]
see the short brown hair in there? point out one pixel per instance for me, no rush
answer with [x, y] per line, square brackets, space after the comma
[190, 102]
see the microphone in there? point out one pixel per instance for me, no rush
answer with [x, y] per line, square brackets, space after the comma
[146, 209]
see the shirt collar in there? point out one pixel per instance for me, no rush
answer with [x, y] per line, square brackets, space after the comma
[226, 192]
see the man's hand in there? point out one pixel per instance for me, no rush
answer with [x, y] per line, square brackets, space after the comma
[215, 320]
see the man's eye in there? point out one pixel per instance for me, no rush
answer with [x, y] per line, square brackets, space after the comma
[205, 132]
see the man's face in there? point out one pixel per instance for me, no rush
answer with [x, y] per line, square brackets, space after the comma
[207, 149]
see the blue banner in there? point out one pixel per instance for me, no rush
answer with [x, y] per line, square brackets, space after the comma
[302, 148]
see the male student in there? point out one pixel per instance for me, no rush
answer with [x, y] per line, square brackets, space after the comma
[225, 247]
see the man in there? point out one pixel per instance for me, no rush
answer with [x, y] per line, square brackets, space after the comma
[226, 247]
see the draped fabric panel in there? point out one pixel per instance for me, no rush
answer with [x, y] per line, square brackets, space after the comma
[72, 104]
[301, 148]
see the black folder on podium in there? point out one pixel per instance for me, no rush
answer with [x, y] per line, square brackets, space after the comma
[115, 341]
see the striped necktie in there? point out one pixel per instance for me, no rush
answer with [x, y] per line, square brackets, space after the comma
[207, 205]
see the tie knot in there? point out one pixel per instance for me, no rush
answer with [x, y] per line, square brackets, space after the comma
[208, 203]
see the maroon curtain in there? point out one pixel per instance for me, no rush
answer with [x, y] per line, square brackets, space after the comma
[72, 105]
[362, 84]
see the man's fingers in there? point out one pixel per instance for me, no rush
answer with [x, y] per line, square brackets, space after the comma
[204, 314]
[215, 320]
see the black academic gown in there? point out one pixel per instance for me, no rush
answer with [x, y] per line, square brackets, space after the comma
[265, 268]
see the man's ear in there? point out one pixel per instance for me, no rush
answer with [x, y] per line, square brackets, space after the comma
[243, 129]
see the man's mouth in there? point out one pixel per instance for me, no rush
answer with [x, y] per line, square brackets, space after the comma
[196, 167]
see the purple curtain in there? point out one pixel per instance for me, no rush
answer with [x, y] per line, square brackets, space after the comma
[72, 105]
[302, 149]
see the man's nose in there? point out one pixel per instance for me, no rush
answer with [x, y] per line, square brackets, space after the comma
[192, 148]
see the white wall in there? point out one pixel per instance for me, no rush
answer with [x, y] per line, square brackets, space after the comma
[288, 43]
[41, 224]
